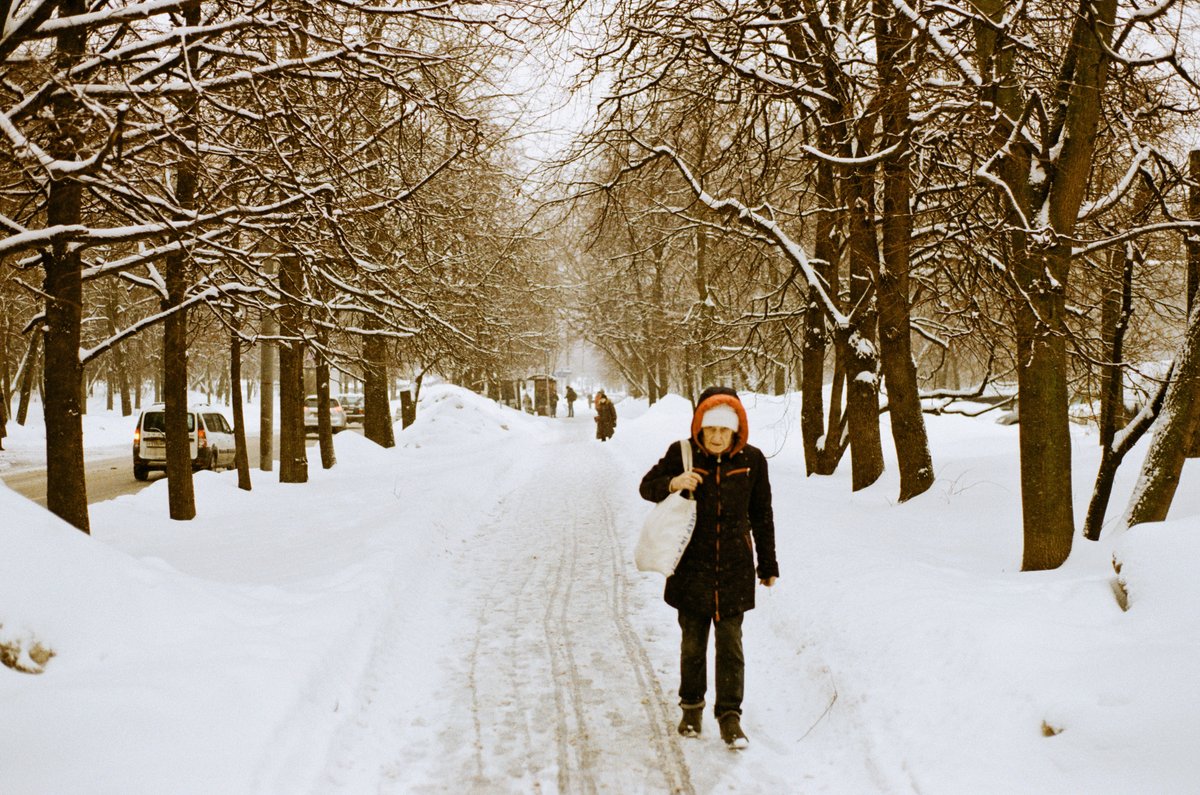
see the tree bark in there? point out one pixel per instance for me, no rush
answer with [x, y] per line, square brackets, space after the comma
[180, 493]
[1173, 432]
[1044, 432]
[1115, 298]
[66, 483]
[1193, 256]
[293, 455]
[862, 365]
[324, 424]
[1041, 257]
[1112, 402]
[893, 34]
[241, 456]
[25, 375]
[377, 419]
[268, 370]
[816, 332]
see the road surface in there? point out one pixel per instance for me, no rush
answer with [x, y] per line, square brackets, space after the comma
[108, 475]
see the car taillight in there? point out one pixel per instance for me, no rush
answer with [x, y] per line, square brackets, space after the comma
[137, 435]
[201, 438]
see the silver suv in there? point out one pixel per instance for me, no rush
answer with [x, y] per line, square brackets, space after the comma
[337, 415]
[211, 436]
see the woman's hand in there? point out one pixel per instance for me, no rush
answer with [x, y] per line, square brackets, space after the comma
[768, 581]
[688, 481]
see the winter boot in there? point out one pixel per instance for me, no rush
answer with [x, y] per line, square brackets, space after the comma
[731, 731]
[692, 716]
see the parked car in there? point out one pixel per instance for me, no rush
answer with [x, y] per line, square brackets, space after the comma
[337, 414]
[211, 435]
[353, 404]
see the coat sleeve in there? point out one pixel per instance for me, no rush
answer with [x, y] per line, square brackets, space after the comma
[762, 522]
[656, 483]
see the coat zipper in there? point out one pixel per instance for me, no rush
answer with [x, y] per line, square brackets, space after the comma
[716, 586]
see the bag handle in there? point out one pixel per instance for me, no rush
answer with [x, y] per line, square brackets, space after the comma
[685, 452]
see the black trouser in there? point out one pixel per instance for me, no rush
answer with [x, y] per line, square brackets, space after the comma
[693, 661]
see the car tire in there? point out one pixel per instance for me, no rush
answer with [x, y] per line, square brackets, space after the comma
[141, 472]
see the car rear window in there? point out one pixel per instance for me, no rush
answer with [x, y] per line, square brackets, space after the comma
[157, 421]
[217, 423]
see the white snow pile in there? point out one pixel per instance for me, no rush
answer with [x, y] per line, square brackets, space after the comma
[447, 411]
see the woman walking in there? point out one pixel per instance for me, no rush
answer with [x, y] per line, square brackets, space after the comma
[713, 585]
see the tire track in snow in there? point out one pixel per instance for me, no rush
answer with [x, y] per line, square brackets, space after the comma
[550, 688]
[567, 678]
[658, 711]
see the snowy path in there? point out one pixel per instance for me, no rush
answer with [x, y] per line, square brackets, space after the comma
[554, 690]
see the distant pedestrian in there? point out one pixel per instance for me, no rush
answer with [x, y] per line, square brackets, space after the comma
[571, 396]
[606, 417]
[554, 403]
[713, 585]
[3, 419]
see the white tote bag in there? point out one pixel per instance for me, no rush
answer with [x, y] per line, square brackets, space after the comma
[668, 528]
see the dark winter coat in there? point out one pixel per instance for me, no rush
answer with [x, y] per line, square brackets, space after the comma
[606, 417]
[734, 520]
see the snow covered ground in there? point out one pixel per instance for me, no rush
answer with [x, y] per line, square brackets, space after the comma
[461, 614]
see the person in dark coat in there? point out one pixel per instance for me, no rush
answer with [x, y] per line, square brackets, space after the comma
[606, 417]
[571, 396]
[713, 585]
[3, 419]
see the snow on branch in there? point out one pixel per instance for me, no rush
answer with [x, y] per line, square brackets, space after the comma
[1136, 232]
[881, 155]
[1101, 204]
[790, 248]
[58, 169]
[939, 41]
[763, 76]
[109, 16]
[204, 296]
[1141, 15]
[85, 236]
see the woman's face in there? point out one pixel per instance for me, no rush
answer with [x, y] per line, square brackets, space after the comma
[716, 440]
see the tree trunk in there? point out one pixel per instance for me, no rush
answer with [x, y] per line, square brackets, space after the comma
[241, 458]
[293, 455]
[1112, 402]
[324, 424]
[816, 332]
[66, 484]
[895, 334]
[1114, 319]
[377, 419]
[268, 369]
[862, 364]
[25, 375]
[180, 494]
[1193, 255]
[408, 409]
[1041, 259]
[1044, 430]
[1173, 432]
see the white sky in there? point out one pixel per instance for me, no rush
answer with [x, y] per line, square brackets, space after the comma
[461, 614]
